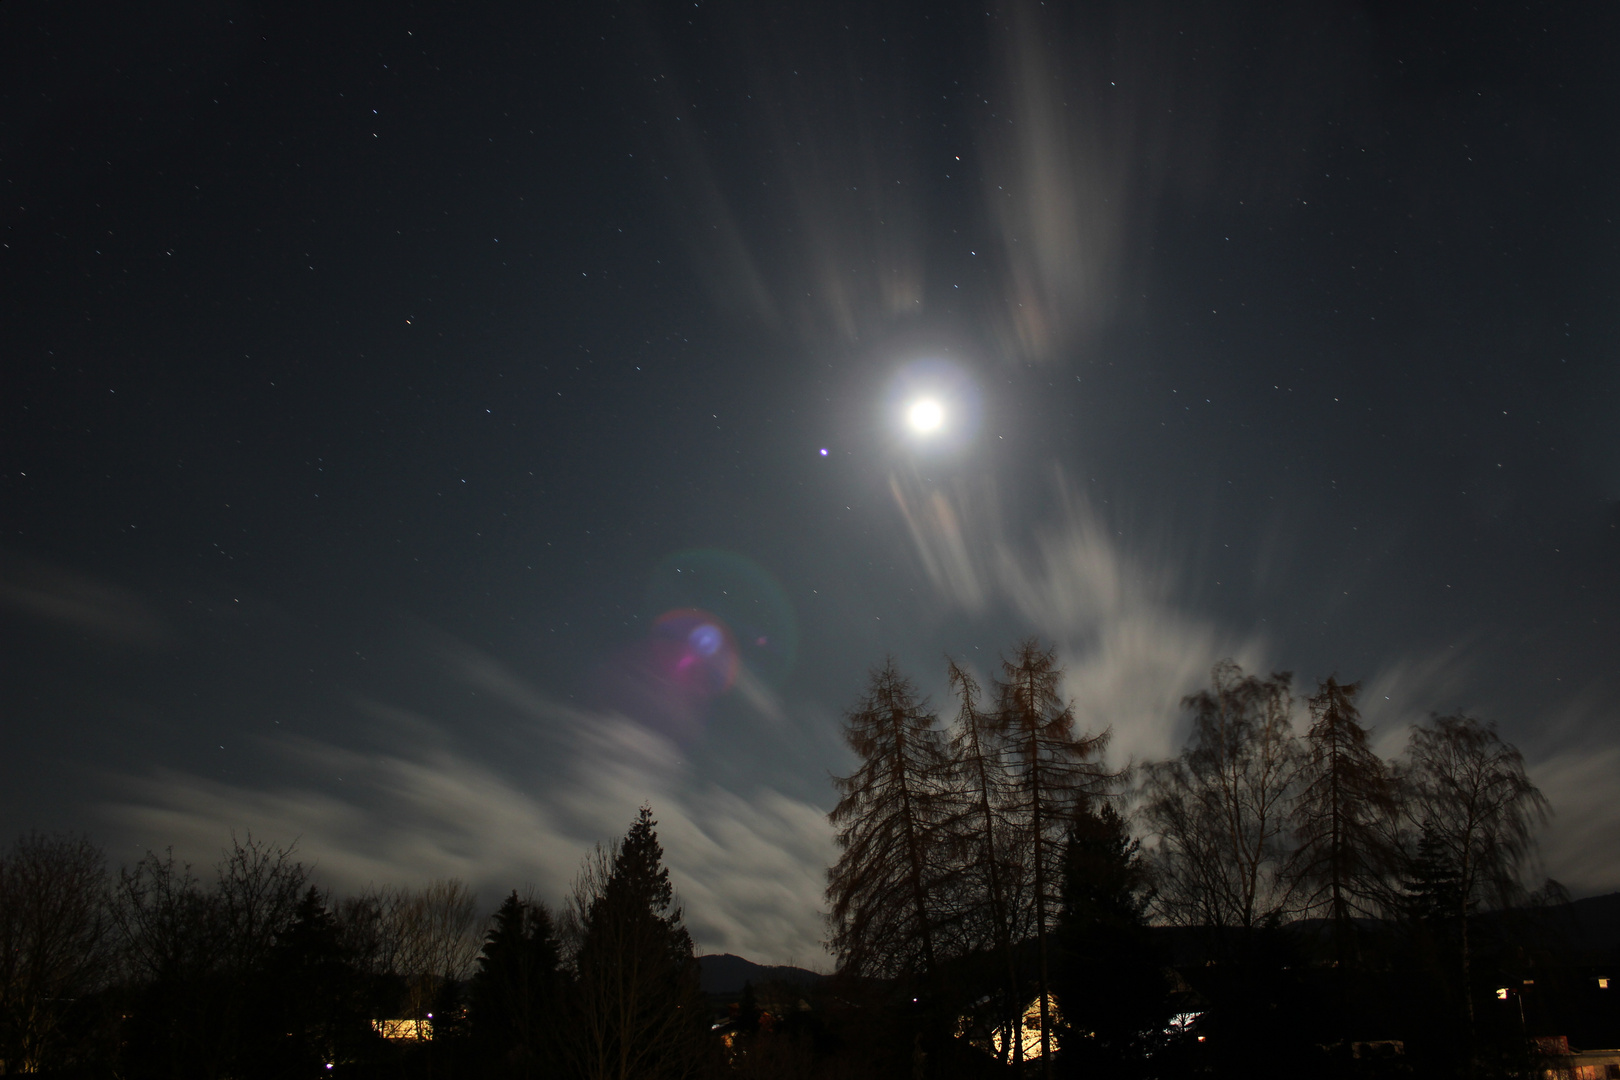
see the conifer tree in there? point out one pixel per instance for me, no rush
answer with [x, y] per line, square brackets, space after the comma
[1050, 767]
[637, 1009]
[316, 1013]
[1346, 794]
[987, 863]
[882, 888]
[1109, 972]
[513, 997]
[1433, 889]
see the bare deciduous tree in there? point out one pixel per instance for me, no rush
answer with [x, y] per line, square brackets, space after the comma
[164, 920]
[1221, 810]
[52, 929]
[257, 893]
[1469, 798]
[428, 938]
[200, 953]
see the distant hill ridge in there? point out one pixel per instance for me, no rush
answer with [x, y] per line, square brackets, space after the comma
[723, 973]
[1597, 919]
[1596, 927]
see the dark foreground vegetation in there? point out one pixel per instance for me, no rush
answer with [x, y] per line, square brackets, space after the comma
[257, 973]
[1280, 902]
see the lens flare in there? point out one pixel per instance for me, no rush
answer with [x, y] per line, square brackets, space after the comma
[670, 679]
[719, 611]
[706, 639]
[695, 653]
[743, 597]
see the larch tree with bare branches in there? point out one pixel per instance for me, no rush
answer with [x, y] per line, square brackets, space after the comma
[1346, 796]
[884, 913]
[1051, 767]
[989, 871]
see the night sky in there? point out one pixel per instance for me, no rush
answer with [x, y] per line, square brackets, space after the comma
[428, 432]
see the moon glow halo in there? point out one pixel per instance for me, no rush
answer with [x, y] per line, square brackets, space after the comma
[926, 416]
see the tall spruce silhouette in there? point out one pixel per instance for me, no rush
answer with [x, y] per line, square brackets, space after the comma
[1109, 970]
[311, 1008]
[637, 1009]
[514, 996]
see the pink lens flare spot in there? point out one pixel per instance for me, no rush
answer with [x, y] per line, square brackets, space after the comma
[823, 451]
[698, 649]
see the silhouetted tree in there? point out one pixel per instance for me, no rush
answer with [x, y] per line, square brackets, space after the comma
[888, 816]
[1434, 894]
[1429, 958]
[637, 1010]
[1221, 810]
[1050, 766]
[1346, 796]
[258, 889]
[748, 1010]
[988, 869]
[197, 957]
[513, 999]
[433, 932]
[52, 947]
[312, 1011]
[1472, 803]
[1109, 973]
[166, 928]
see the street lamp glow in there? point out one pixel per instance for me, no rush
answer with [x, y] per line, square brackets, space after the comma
[925, 416]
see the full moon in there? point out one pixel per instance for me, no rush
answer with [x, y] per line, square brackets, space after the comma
[925, 416]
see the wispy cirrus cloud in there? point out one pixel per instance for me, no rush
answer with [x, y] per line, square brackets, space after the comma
[1130, 651]
[412, 804]
[77, 601]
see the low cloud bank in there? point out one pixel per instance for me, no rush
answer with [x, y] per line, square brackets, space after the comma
[748, 866]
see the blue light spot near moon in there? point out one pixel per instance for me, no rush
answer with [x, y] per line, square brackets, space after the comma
[706, 639]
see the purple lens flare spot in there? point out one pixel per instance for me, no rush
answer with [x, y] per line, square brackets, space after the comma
[706, 639]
